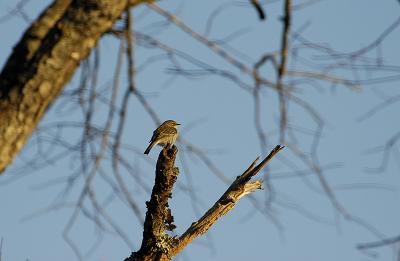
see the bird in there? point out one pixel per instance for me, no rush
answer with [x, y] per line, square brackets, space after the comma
[165, 135]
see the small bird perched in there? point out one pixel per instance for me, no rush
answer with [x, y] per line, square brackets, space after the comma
[165, 135]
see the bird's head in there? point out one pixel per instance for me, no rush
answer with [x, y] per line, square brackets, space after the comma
[171, 123]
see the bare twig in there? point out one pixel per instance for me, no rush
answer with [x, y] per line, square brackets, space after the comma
[212, 45]
[380, 243]
[376, 42]
[282, 68]
[259, 9]
[116, 146]
[256, 96]
[17, 11]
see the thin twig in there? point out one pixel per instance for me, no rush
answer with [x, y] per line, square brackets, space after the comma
[282, 69]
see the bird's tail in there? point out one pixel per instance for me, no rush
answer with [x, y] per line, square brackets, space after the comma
[151, 145]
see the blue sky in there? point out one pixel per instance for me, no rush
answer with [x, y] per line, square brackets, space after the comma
[310, 228]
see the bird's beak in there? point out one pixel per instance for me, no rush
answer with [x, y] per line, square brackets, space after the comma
[177, 124]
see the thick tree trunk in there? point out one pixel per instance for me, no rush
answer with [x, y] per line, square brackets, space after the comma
[44, 61]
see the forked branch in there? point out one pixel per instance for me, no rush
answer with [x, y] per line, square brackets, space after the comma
[156, 244]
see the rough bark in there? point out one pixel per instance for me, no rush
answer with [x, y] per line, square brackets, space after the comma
[43, 62]
[156, 244]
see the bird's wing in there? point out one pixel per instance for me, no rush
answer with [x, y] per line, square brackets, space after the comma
[166, 133]
[155, 135]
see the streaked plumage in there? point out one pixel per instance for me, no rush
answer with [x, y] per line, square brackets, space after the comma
[165, 135]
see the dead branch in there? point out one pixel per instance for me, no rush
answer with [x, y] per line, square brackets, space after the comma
[239, 188]
[157, 245]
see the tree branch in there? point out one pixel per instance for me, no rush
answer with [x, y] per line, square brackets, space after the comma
[239, 188]
[380, 243]
[42, 63]
[282, 68]
[157, 245]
